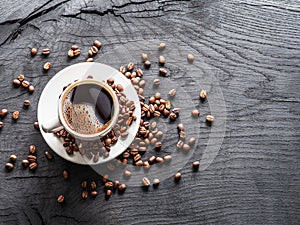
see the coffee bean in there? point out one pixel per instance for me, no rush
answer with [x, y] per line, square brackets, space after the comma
[192, 141]
[139, 72]
[116, 184]
[84, 195]
[31, 158]
[173, 116]
[162, 60]
[94, 50]
[122, 188]
[190, 58]
[26, 103]
[71, 53]
[159, 134]
[33, 166]
[74, 47]
[65, 174]
[15, 115]
[196, 165]
[144, 57]
[162, 46]
[36, 125]
[142, 83]
[163, 71]
[60, 199]
[49, 155]
[147, 64]
[203, 94]
[146, 182]
[77, 52]
[182, 135]
[195, 113]
[155, 182]
[33, 51]
[180, 144]
[21, 77]
[109, 185]
[156, 82]
[94, 194]
[158, 145]
[159, 159]
[180, 127]
[46, 51]
[139, 163]
[151, 160]
[13, 158]
[122, 69]
[110, 81]
[32, 149]
[16, 82]
[177, 177]
[127, 173]
[124, 134]
[47, 66]
[176, 110]
[25, 162]
[84, 184]
[9, 166]
[210, 118]
[172, 93]
[167, 158]
[3, 113]
[146, 165]
[30, 88]
[25, 84]
[93, 185]
[120, 88]
[137, 157]
[105, 178]
[186, 147]
[130, 66]
[1, 125]
[108, 193]
[97, 43]
[89, 60]
[90, 53]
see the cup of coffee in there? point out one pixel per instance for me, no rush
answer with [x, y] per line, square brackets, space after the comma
[87, 109]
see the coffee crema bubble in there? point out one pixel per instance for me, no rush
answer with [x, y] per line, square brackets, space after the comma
[88, 108]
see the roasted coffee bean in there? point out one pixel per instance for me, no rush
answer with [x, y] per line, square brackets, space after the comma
[159, 134]
[157, 96]
[74, 47]
[84, 195]
[156, 81]
[15, 115]
[3, 113]
[21, 77]
[9, 166]
[153, 141]
[90, 53]
[190, 58]
[142, 149]
[89, 60]
[25, 162]
[161, 107]
[161, 60]
[162, 46]
[163, 71]
[33, 166]
[97, 43]
[172, 93]
[65, 174]
[60, 199]
[130, 66]
[116, 184]
[49, 155]
[155, 182]
[176, 110]
[167, 158]
[146, 182]
[84, 184]
[147, 64]
[94, 50]
[180, 127]
[151, 160]
[16, 82]
[179, 144]
[139, 72]
[122, 69]
[195, 113]
[32, 149]
[182, 135]
[203, 94]
[33, 51]
[196, 165]
[210, 118]
[13, 158]
[36, 125]
[71, 53]
[142, 83]
[124, 134]
[192, 141]
[186, 147]
[25, 84]
[159, 159]
[146, 165]
[1, 125]
[110, 81]
[108, 193]
[30, 88]
[46, 51]
[105, 178]
[177, 177]
[47, 66]
[120, 88]
[127, 173]
[144, 57]
[93, 185]
[156, 114]
[158, 145]
[122, 188]
[77, 52]
[173, 116]
[139, 163]
[31, 158]
[109, 185]
[94, 194]
[26, 103]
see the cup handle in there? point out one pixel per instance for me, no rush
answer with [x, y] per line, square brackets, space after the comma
[52, 125]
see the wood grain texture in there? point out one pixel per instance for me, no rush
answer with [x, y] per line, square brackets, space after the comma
[255, 47]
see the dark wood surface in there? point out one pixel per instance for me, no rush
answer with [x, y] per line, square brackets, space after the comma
[255, 48]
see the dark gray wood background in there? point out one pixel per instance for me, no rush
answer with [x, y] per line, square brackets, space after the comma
[255, 46]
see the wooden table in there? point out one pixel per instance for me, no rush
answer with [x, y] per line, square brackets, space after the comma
[253, 49]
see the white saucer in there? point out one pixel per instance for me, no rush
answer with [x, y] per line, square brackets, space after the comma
[48, 106]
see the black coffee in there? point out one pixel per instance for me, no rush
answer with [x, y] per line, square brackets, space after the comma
[88, 108]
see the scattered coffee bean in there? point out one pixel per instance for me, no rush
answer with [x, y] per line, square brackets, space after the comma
[177, 177]
[108, 193]
[71, 53]
[89, 60]
[151, 160]
[31, 158]
[26, 103]
[46, 51]
[162, 46]
[144, 57]
[90, 53]
[33, 166]
[195, 113]
[77, 52]
[179, 144]
[109, 185]
[13, 158]
[203, 94]
[176, 110]
[167, 158]
[31, 88]
[16, 82]
[158, 145]
[122, 188]
[94, 194]
[147, 64]
[84, 195]
[94, 50]
[190, 58]
[84, 184]
[146, 165]
[163, 71]
[93, 185]
[47, 66]
[155, 182]
[172, 93]
[25, 162]
[180, 127]
[15, 115]
[156, 82]
[65, 174]
[60, 199]
[192, 141]
[159, 159]
[120, 88]
[139, 163]
[21, 77]
[36, 125]
[1, 125]
[196, 165]
[210, 118]
[74, 47]
[49, 155]
[97, 43]
[130, 66]
[162, 60]
[127, 173]
[9, 166]
[33, 51]
[3, 113]
[146, 182]
[32, 149]
[186, 147]
[25, 84]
